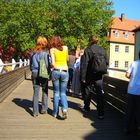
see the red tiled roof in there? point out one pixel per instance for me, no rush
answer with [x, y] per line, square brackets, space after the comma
[136, 29]
[127, 24]
[123, 25]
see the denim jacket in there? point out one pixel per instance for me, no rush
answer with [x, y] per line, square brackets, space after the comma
[36, 59]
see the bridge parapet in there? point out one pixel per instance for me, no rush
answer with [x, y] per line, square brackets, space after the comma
[115, 89]
[10, 80]
[116, 92]
[5, 67]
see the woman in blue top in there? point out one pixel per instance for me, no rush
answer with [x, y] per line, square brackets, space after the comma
[40, 49]
[76, 85]
[133, 108]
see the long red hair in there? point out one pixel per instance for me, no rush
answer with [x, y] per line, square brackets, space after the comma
[56, 42]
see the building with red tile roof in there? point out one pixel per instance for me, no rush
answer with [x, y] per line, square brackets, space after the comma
[121, 40]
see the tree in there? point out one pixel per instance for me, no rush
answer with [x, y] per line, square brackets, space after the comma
[78, 19]
[21, 21]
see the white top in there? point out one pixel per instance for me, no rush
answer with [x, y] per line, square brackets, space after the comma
[134, 83]
[77, 63]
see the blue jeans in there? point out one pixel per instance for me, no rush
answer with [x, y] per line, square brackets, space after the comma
[60, 81]
[37, 82]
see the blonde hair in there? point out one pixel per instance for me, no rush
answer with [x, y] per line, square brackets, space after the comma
[41, 41]
[41, 44]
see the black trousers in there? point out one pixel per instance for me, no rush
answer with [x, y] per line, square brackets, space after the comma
[70, 78]
[133, 112]
[87, 94]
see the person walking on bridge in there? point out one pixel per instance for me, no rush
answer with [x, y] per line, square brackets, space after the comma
[39, 52]
[59, 75]
[133, 105]
[89, 77]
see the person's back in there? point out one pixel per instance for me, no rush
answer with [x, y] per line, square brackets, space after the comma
[133, 98]
[134, 84]
[89, 65]
[76, 86]
[89, 77]
[60, 58]
[36, 79]
[71, 61]
[59, 75]
[36, 57]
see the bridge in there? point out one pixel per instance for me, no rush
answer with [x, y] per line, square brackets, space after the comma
[17, 122]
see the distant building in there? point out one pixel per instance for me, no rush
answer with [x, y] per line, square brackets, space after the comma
[137, 42]
[121, 40]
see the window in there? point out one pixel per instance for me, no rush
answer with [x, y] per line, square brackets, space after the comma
[116, 64]
[126, 64]
[117, 48]
[126, 35]
[117, 34]
[127, 49]
[108, 33]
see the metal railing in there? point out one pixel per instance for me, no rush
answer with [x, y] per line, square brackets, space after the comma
[14, 64]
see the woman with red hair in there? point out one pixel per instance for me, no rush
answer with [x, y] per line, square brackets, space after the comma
[39, 51]
[60, 75]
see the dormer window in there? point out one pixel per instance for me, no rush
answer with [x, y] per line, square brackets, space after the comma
[126, 35]
[116, 34]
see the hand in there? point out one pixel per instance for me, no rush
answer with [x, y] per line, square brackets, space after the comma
[49, 79]
[83, 81]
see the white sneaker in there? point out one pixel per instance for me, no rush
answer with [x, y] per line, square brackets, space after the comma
[70, 91]
[64, 114]
[54, 115]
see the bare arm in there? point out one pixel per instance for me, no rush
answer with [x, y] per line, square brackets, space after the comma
[127, 75]
[52, 57]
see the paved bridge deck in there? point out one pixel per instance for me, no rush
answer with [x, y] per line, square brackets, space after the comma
[17, 123]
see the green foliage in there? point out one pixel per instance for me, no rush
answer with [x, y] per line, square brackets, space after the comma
[21, 21]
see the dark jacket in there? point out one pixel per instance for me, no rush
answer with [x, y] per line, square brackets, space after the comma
[86, 73]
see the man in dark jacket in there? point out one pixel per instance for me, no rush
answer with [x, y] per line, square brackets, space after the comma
[89, 78]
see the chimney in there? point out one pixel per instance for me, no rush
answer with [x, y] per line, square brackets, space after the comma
[122, 17]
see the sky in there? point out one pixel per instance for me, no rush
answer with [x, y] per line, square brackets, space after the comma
[129, 7]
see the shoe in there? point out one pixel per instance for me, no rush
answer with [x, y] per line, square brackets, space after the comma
[64, 114]
[35, 115]
[70, 91]
[43, 112]
[54, 115]
[100, 117]
[85, 110]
